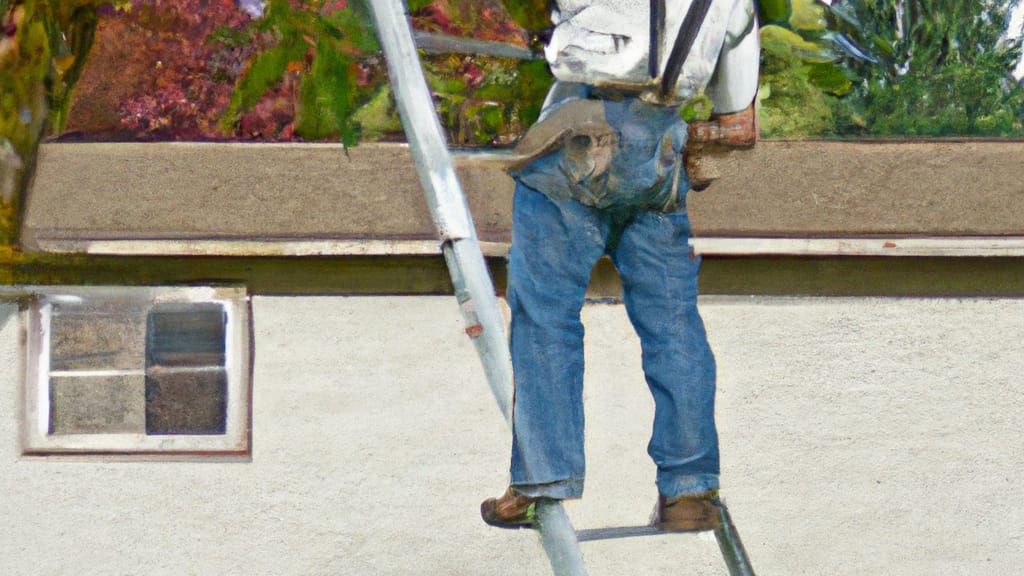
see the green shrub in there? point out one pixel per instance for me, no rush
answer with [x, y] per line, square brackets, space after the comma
[799, 74]
[929, 68]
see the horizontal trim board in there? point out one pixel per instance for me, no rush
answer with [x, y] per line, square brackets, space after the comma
[863, 276]
[949, 246]
[270, 275]
[251, 247]
[707, 246]
[397, 275]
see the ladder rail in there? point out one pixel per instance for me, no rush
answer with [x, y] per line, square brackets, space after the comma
[473, 286]
[733, 552]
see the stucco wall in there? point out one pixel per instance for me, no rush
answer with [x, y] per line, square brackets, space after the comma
[859, 436]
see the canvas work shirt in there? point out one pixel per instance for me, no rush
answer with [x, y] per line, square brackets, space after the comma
[600, 42]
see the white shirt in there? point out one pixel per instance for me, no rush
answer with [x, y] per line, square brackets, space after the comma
[606, 42]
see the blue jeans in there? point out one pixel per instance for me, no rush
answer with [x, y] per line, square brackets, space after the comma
[555, 244]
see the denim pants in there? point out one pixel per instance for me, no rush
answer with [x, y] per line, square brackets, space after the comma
[555, 244]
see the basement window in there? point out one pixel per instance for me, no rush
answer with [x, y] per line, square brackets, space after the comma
[137, 370]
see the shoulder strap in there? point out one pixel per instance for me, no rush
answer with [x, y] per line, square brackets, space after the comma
[657, 37]
[684, 41]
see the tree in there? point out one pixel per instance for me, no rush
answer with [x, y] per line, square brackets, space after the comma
[928, 67]
[42, 53]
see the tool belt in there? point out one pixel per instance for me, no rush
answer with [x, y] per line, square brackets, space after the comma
[606, 153]
[622, 147]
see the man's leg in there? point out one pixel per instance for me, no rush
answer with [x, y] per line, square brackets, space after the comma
[554, 248]
[659, 276]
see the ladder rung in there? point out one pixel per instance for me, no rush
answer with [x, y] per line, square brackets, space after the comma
[444, 44]
[591, 534]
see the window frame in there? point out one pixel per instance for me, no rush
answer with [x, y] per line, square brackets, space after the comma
[37, 318]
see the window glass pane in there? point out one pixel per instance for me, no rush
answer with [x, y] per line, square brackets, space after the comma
[185, 335]
[100, 335]
[186, 382]
[97, 404]
[182, 401]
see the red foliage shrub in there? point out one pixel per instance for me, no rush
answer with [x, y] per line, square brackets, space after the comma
[155, 74]
[166, 69]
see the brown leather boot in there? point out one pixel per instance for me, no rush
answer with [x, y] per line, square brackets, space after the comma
[510, 510]
[688, 513]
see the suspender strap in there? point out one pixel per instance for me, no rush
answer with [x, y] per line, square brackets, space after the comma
[657, 37]
[684, 41]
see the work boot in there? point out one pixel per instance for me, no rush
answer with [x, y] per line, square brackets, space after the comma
[510, 510]
[687, 513]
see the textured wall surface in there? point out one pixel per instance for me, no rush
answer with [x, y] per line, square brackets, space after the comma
[859, 437]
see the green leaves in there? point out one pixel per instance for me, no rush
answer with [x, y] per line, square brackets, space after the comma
[774, 11]
[322, 50]
[532, 15]
[326, 96]
[928, 67]
[70, 48]
[263, 74]
[799, 73]
[829, 78]
[888, 68]
[781, 39]
[355, 25]
[533, 80]
[814, 60]
[330, 63]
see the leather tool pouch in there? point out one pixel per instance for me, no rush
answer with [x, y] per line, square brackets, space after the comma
[606, 153]
[617, 151]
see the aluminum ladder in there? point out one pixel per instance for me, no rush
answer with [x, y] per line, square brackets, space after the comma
[474, 289]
